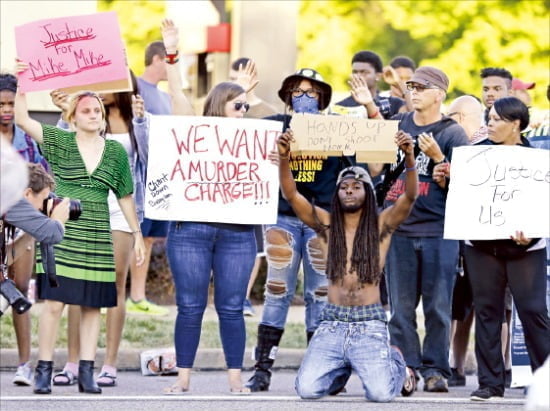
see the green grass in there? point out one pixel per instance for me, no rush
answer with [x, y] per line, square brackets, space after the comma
[147, 332]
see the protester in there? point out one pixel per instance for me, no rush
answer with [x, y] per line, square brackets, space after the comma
[519, 263]
[86, 167]
[496, 83]
[161, 63]
[353, 318]
[133, 135]
[197, 250]
[420, 262]
[368, 66]
[404, 67]
[258, 109]
[467, 111]
[290, 243]
[21, 271]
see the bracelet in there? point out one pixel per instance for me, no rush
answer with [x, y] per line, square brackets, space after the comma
[136, 231]
[375, 114]
[440, 162]
[172, 58]
[413, 168]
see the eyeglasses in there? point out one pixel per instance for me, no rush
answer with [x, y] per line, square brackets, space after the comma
[239, 105]
[418, 87]
[311, 93]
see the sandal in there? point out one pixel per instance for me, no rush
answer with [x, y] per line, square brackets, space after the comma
[175, 390]
[106, 380]
[68, 378]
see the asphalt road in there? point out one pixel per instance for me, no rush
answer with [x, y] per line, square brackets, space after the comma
[209, 391]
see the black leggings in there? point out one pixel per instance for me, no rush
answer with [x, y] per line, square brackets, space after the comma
[526, 277]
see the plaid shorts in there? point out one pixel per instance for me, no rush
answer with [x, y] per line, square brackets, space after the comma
[354, 313]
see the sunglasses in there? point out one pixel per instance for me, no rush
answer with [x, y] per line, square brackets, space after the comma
[238, 106]
[311, 93]
[418, 87]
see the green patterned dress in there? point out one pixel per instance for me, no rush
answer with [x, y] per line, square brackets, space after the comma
[84, 259]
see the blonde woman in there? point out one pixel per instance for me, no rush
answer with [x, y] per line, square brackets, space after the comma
[86, 166]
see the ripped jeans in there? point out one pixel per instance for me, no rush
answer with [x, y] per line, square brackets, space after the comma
[287, 244]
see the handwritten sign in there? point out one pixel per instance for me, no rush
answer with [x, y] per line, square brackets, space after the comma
[371, 140]
[212, 169]
[496, 190]
[78, 51]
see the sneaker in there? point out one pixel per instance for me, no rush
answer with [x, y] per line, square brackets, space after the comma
[145, 307]
[248, 311]
[486, 394]
[456, 379]
[409, 386]
[23, 375]
[435, 383]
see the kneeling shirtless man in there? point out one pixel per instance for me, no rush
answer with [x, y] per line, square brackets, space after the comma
[353, 334]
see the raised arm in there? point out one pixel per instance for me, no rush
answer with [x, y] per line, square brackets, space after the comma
[301, 206]
[362, 95]
[180, 104]
[140, 121]
[22, 119]
[392, 216]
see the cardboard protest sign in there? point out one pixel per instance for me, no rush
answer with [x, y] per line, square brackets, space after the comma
[73, 53]
[496, 190]
[371, 140]
[212, 169]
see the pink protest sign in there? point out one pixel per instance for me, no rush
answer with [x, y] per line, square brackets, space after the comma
[71, 51]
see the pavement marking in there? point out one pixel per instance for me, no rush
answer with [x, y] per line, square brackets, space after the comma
[229, 397]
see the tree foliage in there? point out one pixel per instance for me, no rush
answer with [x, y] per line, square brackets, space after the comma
[139, 24]
[460, 37]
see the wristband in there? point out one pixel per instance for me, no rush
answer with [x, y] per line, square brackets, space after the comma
[374, 115]
[172, 58]
[413, 168]
[440, 162]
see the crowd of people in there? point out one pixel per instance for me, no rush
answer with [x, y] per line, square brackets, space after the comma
[367, 262]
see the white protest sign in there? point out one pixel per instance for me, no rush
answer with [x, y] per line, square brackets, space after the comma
[496, 190]
[212, 169]
[370, 140]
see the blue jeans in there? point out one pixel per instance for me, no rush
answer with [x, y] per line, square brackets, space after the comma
[338, 347]
[195, 251]
[287, 244]
[422, 267]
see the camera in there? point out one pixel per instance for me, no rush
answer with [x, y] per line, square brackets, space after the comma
[10, 295]
[75, 209]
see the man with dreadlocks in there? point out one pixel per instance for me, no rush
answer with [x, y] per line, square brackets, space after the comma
[353, 333]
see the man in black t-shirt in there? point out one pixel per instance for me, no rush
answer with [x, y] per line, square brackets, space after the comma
[420, 262]
[368, 65]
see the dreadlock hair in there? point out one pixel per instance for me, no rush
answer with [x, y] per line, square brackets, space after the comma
[365, 256]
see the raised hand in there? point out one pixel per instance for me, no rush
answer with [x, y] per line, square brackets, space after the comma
[60, 99]
[283, 143]
[247, 76]
[405, 142]
[170, 35]
[390, 76]
[138, 106]
[359, 90]
[429, 146]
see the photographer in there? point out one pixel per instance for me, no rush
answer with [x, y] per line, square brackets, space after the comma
[28, 215]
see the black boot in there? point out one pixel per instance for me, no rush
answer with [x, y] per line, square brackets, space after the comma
[43, 377]
[86, 382]
[268, 343]
[309, 334]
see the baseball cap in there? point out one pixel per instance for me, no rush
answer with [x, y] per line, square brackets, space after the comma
[517, 84]
[358, 173]
[430, 76]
